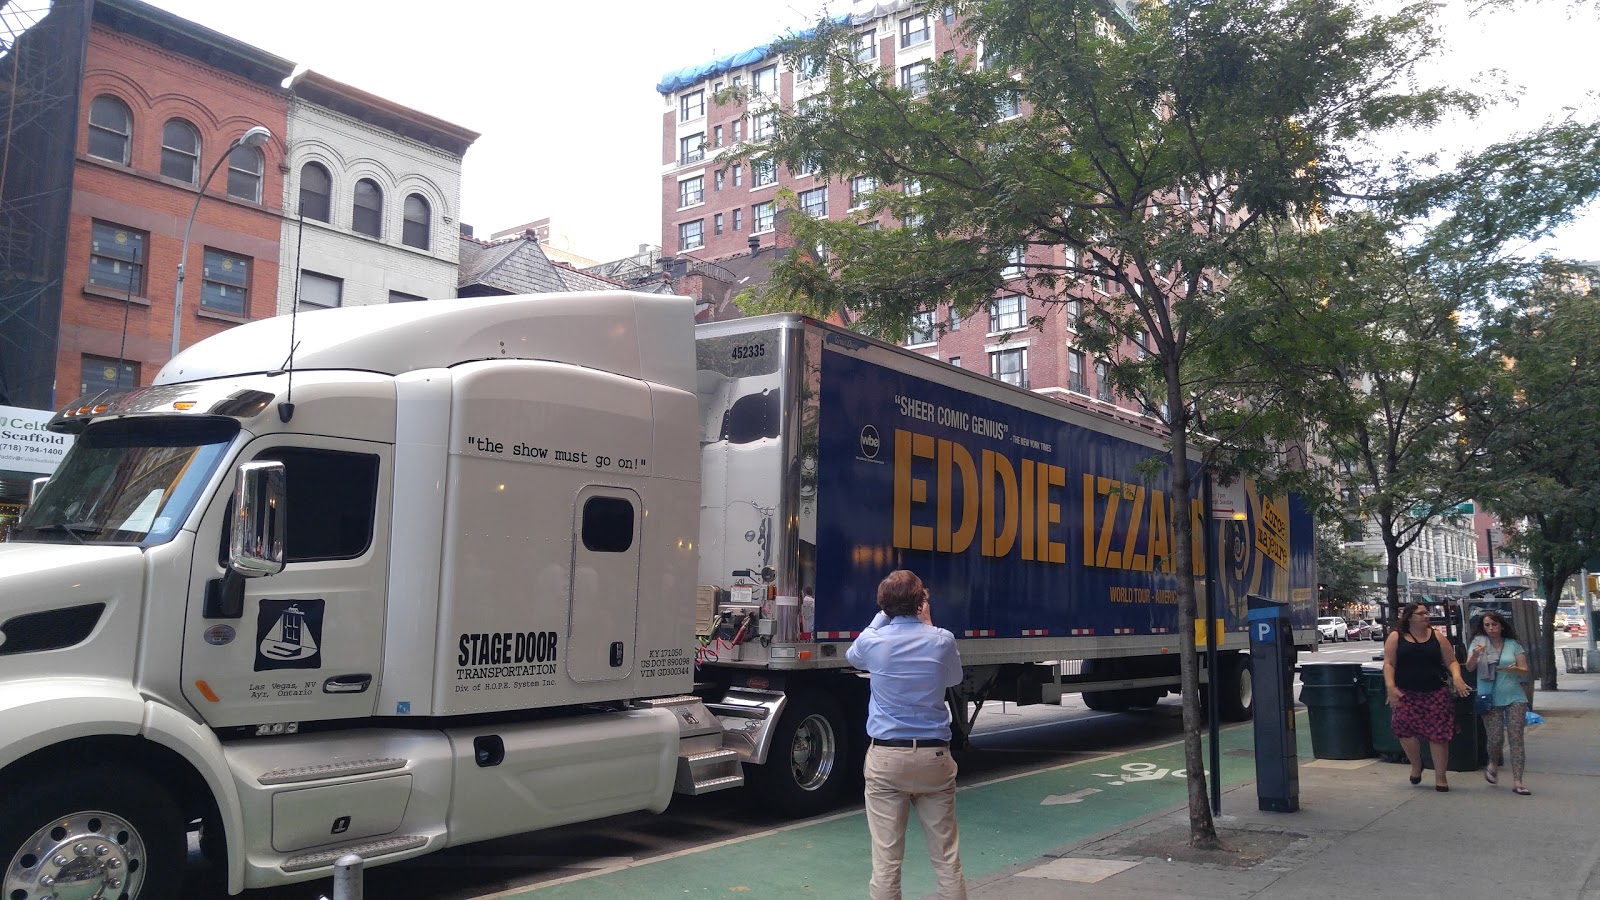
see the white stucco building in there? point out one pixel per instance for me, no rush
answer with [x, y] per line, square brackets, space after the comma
[378, 189]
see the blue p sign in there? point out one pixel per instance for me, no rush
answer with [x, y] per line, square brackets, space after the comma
[1264, 632]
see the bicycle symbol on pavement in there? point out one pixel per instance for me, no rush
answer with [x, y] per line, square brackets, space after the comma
[1133, 773]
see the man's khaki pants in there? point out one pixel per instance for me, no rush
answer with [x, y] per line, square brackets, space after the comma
[899, 778]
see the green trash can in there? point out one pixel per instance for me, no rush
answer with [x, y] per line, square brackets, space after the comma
[1336, 707]
[1384, 743]
[1469, 749]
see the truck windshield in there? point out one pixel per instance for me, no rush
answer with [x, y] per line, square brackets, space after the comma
[128, 481]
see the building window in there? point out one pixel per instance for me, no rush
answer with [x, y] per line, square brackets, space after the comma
[1005, 313]
[316, 192]
[102, 374]
[1008, 105]
[1075, 372]
[955, 319]
[765, 81]
[398, 297]
[914, 30]
[955, 361]
[716, 224]
[367, 216]
[1014, 263]
[814, 202]
[860, 187]
[110, 129]
[761, 126]
[691, 105]
[716, 180]
[245, 165]
[913, 221]
[761, 217]
[319, 291]
[738, 130]
[1102, 382]
[180, 151]
[1074, 312]
[949, 13]
[692, 148]
[738, 218]
[691, 191]
[226, 288]
[921, 330]
[116, 258]
[418, 222]
[763, 172]
[866, 46]
[911, 187]
[1010, 366]
[692, 234]
[738, 175]
[914, 78]
[716, 136]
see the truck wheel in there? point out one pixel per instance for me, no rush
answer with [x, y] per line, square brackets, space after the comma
[1236, 695]
[1105, 701]
[804, 771]
[92, 834]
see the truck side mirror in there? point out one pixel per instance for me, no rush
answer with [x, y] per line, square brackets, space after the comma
[35, 488]
[260, 525]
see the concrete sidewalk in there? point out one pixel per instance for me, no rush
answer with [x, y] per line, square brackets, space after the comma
[1364, 831]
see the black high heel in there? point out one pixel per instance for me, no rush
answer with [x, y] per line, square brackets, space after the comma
[1416, 779]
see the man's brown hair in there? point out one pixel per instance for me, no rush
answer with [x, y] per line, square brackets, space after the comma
[900, 593]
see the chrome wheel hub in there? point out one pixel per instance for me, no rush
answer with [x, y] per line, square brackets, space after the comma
[85, 856]
[813, 753]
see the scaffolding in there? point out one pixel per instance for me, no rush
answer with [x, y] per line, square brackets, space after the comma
[42, 48]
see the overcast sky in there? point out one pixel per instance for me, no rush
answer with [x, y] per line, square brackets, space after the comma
[564, 93]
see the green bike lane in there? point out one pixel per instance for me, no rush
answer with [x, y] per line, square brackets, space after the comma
[1003, 823]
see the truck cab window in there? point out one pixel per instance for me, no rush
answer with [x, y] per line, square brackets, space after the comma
[607, 525]
[332, 498]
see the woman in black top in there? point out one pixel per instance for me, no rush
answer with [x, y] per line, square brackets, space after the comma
[1415, 659]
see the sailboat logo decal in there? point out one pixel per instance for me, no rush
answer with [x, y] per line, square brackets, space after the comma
[289, 635]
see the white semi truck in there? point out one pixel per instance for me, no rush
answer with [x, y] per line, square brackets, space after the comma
[384, 580]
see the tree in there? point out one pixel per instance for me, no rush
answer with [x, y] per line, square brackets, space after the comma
[1340, 571]
[1545, 458]
[1353, 308]
[1149, 153]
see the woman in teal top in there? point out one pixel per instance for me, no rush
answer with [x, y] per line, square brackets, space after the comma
[1501, 663]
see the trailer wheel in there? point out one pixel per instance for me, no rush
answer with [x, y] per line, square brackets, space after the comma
[804, 773]
[94, 833]
[1236, 696]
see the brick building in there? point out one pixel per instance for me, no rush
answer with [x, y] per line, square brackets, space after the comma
[717, 216]
[162, 99]
[379, 186]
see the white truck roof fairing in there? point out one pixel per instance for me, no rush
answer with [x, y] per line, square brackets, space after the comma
[632, 334]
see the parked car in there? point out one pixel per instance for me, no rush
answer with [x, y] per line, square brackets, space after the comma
[1332, 628]
[1360, 630]
[1379, 632]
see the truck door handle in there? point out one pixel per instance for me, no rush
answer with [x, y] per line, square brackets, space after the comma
[346, 684]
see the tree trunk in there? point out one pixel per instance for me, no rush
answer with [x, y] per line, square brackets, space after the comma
[1202, 828]
[1550, 584]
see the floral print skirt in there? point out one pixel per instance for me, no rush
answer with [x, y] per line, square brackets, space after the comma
[1429, 715]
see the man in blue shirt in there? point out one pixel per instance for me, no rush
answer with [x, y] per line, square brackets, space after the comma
[908, 757]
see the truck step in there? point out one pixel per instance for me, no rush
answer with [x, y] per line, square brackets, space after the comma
[714, 770]
[330, 770]
[365, 849]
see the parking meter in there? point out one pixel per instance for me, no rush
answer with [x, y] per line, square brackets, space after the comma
[1272, 656]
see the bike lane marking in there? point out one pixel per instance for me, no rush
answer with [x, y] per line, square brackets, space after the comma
[1004, 822]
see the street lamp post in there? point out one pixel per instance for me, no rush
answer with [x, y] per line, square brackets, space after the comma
[255, 137]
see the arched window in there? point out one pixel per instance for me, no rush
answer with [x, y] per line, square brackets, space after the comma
[110, 129]
[368, 217]
[180, 151]
[418, 221]
[244, 173]
[316, 192]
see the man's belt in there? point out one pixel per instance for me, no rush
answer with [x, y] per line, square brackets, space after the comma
[910, 742]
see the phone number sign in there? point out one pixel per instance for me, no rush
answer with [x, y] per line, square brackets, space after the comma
[25, 445]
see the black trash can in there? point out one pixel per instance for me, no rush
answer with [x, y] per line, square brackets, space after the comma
[1469, 749]
[1384, 743]
[1336, 707]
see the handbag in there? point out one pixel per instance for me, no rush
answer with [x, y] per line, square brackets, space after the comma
[1483, 704]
